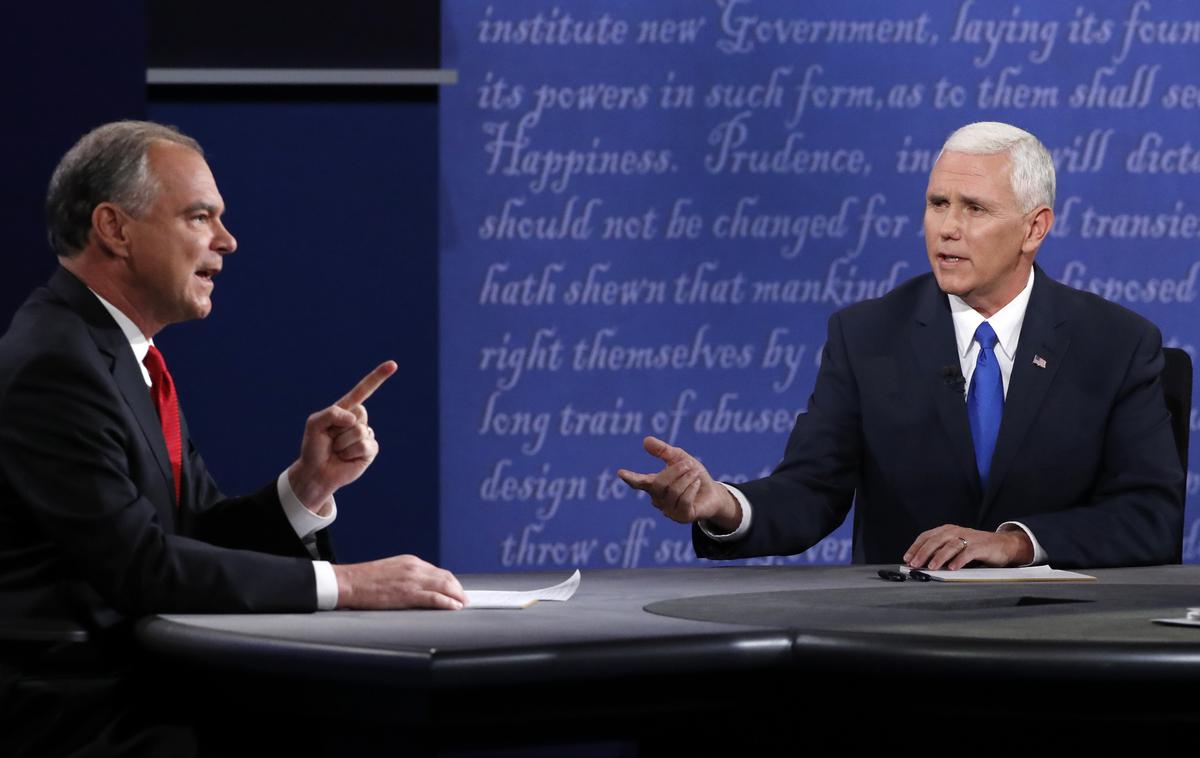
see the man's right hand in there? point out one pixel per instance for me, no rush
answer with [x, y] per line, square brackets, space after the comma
[402, 581]
[683, 490]
[338, 445]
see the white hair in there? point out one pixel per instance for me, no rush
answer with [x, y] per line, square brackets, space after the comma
[1031, 169]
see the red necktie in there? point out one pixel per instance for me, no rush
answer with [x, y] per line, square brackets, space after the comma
[162, 389]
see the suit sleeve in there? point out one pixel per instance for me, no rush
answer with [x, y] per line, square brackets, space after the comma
[1134, 515]
[809, 493]
[64, 448]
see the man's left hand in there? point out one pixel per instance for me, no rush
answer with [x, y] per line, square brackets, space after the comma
[338, 445]
[953, 547]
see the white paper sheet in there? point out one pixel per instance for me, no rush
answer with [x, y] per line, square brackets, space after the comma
[1192, 619]
[492, 599]
[1025, 574]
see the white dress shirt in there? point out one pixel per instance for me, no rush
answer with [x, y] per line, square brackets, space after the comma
[1006, 322]
[304, 522]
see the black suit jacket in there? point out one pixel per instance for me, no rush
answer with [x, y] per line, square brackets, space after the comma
[1084, 457]
[89, 527]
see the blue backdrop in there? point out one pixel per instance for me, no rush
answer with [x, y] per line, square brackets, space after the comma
[331, 202]
[649, 210]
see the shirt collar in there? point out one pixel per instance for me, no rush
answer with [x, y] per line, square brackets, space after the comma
[1006, 322]
[137, 341]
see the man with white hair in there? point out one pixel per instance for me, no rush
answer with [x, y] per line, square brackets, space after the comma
[983, 413]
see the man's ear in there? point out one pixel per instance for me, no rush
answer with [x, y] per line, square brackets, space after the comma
[109, 225]
[1039, 227]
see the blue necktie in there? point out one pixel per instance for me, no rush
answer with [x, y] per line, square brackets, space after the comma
[985, 400]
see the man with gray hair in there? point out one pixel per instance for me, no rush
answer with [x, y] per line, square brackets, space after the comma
[107, 511]
[97, 476]
[983, 413]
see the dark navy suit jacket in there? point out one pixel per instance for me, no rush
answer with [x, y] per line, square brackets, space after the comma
[1085, 457]
[89, 527]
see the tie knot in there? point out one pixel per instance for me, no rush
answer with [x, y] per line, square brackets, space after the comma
[155, 364]
[984, 335]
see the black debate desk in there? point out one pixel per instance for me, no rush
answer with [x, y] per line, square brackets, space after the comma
[798, 653]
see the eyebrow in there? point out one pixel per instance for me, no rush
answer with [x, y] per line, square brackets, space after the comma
[202, 206]
[934, 197]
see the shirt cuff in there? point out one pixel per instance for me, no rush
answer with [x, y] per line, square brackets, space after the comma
[304, 522]
[1039, 555]
[327, 591]
[742, 528]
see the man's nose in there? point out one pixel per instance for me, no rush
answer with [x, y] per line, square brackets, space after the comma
[951, 225]
[224, 242]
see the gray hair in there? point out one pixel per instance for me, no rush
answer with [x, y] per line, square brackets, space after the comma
[108, 164]
[1030, 167]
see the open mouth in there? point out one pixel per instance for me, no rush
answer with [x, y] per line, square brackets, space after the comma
[207, 274]
[949, 258]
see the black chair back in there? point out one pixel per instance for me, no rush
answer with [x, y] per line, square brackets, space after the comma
[1177, 388]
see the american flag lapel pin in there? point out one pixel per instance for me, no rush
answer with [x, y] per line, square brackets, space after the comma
[1039, 361]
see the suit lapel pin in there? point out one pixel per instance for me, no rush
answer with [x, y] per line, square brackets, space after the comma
[1039, 361]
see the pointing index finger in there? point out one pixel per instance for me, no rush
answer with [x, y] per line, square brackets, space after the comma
[367, 386]
[663, 451]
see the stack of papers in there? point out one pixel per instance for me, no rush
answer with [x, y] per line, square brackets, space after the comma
[1024, 574]
[492, 599]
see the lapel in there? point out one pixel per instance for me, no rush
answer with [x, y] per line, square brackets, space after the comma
[125, 370]
[1043, 335]
[936, 353]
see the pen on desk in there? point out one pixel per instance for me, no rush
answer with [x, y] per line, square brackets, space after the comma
[899, 576]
